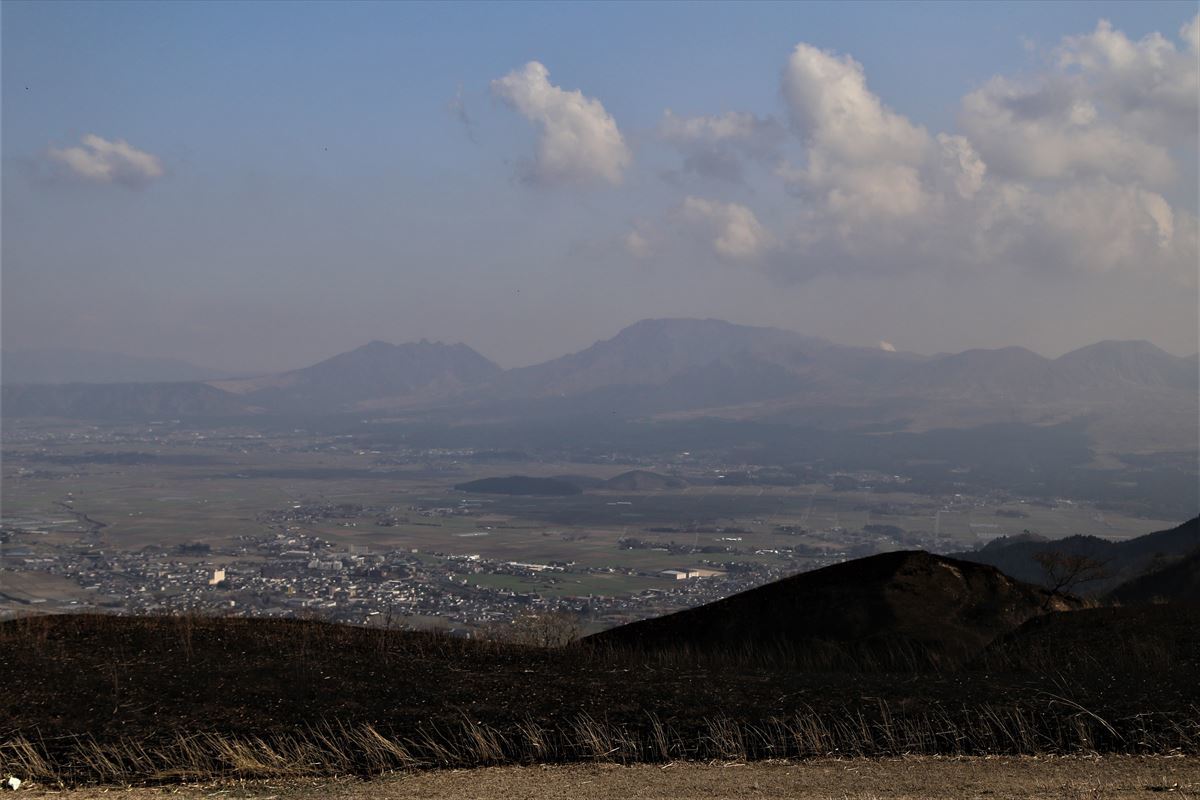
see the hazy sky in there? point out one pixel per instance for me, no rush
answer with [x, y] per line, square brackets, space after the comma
[256, 187]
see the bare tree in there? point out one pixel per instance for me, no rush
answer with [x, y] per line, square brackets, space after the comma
[1063, 573]
[542, 629]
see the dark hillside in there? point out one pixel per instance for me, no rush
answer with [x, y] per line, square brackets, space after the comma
[154, 698]
[1178, 581]
[908, 600]
[1145, 641]
[640, 480]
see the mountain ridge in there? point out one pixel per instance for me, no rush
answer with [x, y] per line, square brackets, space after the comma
[664, 368]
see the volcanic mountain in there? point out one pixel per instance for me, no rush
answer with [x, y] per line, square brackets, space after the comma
[1130, 396]
[893, 602]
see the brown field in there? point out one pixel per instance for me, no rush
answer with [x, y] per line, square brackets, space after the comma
[1101, 778]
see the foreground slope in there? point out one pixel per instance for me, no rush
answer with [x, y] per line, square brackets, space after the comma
[118, 699]
[943, 606]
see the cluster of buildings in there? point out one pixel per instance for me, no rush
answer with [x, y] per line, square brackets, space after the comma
[291, 573]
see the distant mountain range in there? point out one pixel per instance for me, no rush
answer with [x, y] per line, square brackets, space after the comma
[57, 365]
[679, 368]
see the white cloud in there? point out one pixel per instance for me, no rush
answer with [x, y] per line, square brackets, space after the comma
[1189, 32]
[735, 232]
[1149, 86]
[887, 347]
[102, 161]
[865, 164]
[1052, 130]
[1067, 171]
[579, 141]
[1108, 106]
[1097, 226]
[959, 167]
[834, 112]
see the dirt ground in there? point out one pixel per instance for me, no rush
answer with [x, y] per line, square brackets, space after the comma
[1106, 778]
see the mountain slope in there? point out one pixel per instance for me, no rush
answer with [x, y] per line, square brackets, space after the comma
[57, 365]
[1121, 561]
[1178, 582]
[120, 401]
[654, 351]
[1133, 397]
[640, 480]
[376, 374]
[911, 599]
[1115, 364]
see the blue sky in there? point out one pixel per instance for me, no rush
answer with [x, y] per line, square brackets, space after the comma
[319, 188]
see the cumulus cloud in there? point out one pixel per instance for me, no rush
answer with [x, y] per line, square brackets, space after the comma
[578, 141]
[833, 110]
[1109, 106]
[887, 347]
[102, 161]
[1150, 85]
[864, 162]
[1067, 170]
[718, 146]
[735, 232]
[1054, 130]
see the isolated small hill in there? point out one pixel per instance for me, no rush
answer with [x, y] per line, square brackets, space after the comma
[1176, 582]
[120, 401]
[1121, 561]
[63, 365]
[640, 480]
[521, 485]
[889, 602]
[376, 374]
